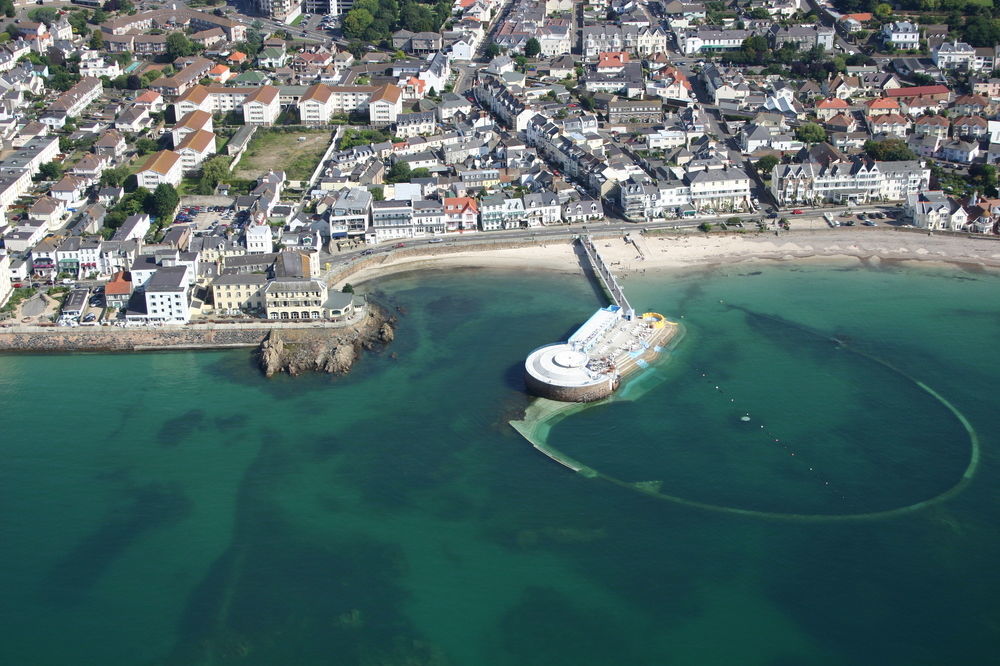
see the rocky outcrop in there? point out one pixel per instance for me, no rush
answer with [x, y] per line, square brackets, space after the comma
[324, 350]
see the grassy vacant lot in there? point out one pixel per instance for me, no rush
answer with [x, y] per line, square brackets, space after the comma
[271, 150]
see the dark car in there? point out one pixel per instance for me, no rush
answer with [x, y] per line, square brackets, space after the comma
[365, 253]
[869, 223]
[772, 215]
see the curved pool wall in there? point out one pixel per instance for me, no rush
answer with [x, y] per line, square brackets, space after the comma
[542, 415]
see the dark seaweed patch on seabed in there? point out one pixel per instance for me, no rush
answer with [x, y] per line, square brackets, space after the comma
[150, 507]
[175, 430]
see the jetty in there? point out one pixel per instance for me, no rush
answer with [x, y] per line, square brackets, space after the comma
[604, 275]
[611, 344]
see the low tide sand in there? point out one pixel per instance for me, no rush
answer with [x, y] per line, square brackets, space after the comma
[697, 250]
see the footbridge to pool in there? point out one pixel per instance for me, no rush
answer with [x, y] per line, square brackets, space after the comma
[604, 275]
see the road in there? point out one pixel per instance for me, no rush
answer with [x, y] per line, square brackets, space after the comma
[480, 55]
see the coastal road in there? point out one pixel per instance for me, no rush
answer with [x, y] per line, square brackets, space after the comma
[604, 228]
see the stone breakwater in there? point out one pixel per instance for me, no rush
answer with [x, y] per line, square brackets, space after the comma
[295, 351]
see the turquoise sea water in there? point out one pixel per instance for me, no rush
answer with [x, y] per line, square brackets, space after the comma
[178, 508]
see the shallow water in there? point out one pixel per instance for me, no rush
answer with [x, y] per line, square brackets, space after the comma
[177, 508]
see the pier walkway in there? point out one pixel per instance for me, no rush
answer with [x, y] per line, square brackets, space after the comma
[606, 277]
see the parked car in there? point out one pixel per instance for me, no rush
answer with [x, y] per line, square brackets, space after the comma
[398, 245]
[797, 211]
[869, 223]
[436, 240]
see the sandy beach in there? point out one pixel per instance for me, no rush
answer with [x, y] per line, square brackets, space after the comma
[691, 250]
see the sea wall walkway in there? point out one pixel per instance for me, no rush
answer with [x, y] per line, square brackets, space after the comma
[213, 335]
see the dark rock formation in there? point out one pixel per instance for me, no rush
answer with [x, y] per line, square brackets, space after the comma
[332, 351]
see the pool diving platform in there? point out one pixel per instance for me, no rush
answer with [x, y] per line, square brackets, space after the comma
[612, 343]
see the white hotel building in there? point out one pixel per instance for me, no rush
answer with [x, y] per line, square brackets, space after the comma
[849, 182]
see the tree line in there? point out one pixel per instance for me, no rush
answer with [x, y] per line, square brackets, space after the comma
[375, 20]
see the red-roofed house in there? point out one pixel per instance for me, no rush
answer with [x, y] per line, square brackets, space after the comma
[970, 105]
[611, 61]
[461, 213]
[974, 126]
[936, 93]
[152, 100]
[118, 289]
[891, 124]
[842, 122]
[936, 126]
[237, 58]
[829, 107]
[881, 106]
[220, 73]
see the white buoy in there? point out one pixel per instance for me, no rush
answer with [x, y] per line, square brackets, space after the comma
[744, 418]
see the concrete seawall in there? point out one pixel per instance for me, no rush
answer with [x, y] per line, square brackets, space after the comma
[113, 339]
[128, 340]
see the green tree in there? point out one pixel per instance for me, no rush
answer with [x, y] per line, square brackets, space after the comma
[882, 11]
[760, 14]
[79, 22]
[97, 40]
[983, 178]
[179, 46]
[417, 18]
[889, 150]
[492, 50]
[98, 17]
[163, 202]
[348, 288]
[532, 48]
[766, 164]
[810, 133]
[45, 15]
[114, 177]
[49, 171]
[378, 193]
[356, 22]
[145, 145]
[705, 226]
[7, 6]
[398, 173]
[213, 172]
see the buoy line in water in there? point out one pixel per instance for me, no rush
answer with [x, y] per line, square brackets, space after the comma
[772, 438]
[530, 432]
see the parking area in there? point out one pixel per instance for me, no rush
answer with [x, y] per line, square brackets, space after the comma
[83, 307]
[204, 218]
[875, 219]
